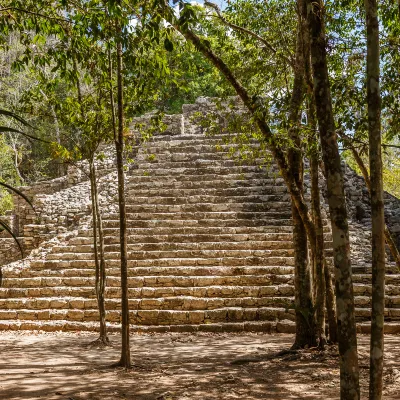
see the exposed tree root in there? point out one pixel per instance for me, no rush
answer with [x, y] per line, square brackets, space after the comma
[102, 341]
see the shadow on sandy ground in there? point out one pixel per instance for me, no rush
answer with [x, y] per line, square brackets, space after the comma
[62, 366]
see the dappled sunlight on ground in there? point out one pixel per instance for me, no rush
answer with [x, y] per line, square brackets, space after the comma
[62, 366]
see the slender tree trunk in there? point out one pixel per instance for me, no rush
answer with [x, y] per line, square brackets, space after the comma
[125, 360]
[319, 258]
[377, 205]
[349, 371]
[305, 322]
[98, 254]
[320, 263]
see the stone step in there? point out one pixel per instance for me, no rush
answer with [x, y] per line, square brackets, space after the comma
[281, 208]
[231, 262]
[227, 169]
[221, 165]
[225, 192]
[285, 326]
[366, 269]
[183, 257]
[204, 182]
[160, 311]
[153, 292]
[265, 237]
[280, 251]
[200, 199]
[140, 281]
[167, 141]
[154, 317]
[182, 303]
[210, 156]
[56, 269]
[193, 227]
[183, 150]
[272, 218]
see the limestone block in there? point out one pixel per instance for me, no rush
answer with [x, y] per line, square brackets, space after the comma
[43, 315]
[113, 316]
[58, 314]
[79, 304]
[8, 314]
[28, 326]
[149, 304]
[235, 314]
[91, 315]
[216, 315]
[27, 314]
[75, 315]
[148, 317]
[179, 317]
[196, 317]
[165, 317]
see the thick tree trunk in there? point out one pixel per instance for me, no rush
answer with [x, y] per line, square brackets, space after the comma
[100, 273]
[377, 206]
[349, 371]
[305, 321]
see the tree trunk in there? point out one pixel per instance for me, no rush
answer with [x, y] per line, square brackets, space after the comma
[125, 360]
[349, 371]
[320, 264]
[377, 205]
[98, 255]
[305, 321]
[319, 259]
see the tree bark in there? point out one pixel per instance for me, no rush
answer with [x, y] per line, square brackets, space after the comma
[319, 252]
[319, 259]
[98, 245]
[125, 360]
[349, 371]
[377, 205]
[305, 321]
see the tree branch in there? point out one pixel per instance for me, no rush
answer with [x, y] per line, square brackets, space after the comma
[248, 32]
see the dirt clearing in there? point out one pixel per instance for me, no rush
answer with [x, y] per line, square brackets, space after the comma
[61, 366]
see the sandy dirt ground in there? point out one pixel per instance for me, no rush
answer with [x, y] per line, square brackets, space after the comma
[63, 366]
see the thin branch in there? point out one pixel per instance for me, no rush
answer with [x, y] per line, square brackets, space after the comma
[36, 14]
[248, 32]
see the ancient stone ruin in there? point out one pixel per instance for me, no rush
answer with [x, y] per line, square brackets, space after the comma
[209, 242]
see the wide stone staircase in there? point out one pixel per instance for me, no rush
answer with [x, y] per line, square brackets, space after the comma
[209, 249]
